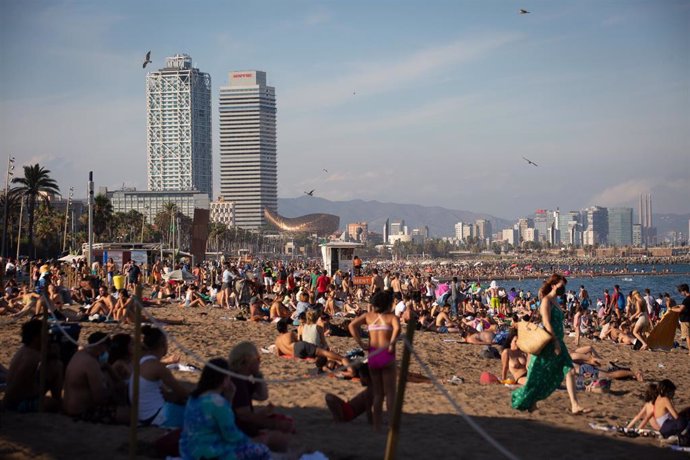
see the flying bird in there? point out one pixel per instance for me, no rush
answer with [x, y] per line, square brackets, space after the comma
[147, 60]
[310, 192]
[325, 170]
[522, 11]
[530, 161]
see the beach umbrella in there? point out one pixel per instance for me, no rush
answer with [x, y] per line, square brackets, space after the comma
[179, 275]
[70, 258]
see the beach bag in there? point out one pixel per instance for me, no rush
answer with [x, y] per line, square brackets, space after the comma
[531, 338]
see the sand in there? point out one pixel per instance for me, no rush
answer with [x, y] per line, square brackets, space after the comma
[430, 426]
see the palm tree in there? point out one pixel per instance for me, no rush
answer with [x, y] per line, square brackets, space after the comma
[102, 214]
[35, 183]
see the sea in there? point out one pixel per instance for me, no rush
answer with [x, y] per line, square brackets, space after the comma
[640, 279]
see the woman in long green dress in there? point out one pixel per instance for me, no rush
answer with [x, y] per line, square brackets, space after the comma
[546, 371]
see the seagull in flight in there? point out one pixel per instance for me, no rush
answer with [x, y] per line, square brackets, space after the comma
[325, 170]
[310, 192]
[523, 11]
[530, 161]
[147, 60]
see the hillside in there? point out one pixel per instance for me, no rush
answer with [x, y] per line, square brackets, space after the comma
[441, 221]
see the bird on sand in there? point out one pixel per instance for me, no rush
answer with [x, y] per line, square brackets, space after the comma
[530, 161]
[522, 11]
[147, 60]
[310, 192]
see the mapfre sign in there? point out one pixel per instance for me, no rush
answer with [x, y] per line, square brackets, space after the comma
[242, 75]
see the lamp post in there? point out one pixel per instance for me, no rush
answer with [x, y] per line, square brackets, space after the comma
[89, 190]
[143, 222]
[19, 231]
[10, 168]
[69, 202]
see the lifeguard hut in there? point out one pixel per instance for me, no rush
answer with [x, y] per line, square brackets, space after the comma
[338, 255]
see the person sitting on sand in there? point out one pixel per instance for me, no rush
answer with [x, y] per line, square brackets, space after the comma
[160, 395]
[104, 304]
[646, 414]
[209, 429]
[514, 360]
[311, 332]
[669, 420]
[278, 309]
[245, 360]
[192, 298]
[443, 322]
[22, 393]
[85, 392]
[256, 309]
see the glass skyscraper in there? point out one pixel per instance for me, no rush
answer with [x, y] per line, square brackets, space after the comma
[620, 227]
[248, 148]
[178, 109]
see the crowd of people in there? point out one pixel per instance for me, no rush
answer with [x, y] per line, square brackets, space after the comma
[217, 418]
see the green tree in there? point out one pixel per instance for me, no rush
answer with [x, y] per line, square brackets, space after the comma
[102, 215]
[35, 184]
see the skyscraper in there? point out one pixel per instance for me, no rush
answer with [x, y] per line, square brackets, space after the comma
[178, 111]
[248, 153]
[646, 221]
[620, 227]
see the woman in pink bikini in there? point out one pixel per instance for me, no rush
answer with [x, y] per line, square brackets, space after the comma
[384, 328]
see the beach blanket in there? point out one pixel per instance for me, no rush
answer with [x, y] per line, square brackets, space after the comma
[632, 433]
[663, 334]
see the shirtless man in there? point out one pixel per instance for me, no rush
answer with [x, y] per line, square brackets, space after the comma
[288, 345]
[86, 395]
[104, 304]
[376, 282]
[23, 393]
[443, 322]
[514, 360]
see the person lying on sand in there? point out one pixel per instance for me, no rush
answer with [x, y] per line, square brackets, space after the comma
[288, 345]
[345, 411]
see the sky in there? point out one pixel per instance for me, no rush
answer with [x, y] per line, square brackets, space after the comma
[425, 102]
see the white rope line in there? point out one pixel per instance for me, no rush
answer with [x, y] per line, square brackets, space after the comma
[51, 310]
[439, 386]
[251, 378]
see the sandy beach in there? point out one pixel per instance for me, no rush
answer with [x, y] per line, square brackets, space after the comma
[430, 425]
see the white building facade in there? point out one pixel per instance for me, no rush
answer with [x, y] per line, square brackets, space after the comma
[248, 148]
[178, 111]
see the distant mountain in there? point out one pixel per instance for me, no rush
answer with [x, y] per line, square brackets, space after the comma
[441, 221]
[666, 223]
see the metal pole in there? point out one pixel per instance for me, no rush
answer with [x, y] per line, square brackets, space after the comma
[134, 411]
[392, 442]
[19, 232]
[89, 189]
[64, 236]
[43, 371]
[10, 167]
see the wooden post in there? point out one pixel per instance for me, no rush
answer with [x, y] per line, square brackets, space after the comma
[392, 442]
[134, 412]
[43, 371]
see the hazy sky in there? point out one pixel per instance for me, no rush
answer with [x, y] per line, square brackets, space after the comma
[449, 95]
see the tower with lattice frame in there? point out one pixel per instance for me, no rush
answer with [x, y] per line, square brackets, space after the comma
[178, 109]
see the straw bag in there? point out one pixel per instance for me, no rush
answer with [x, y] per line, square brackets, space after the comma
[531, 338]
